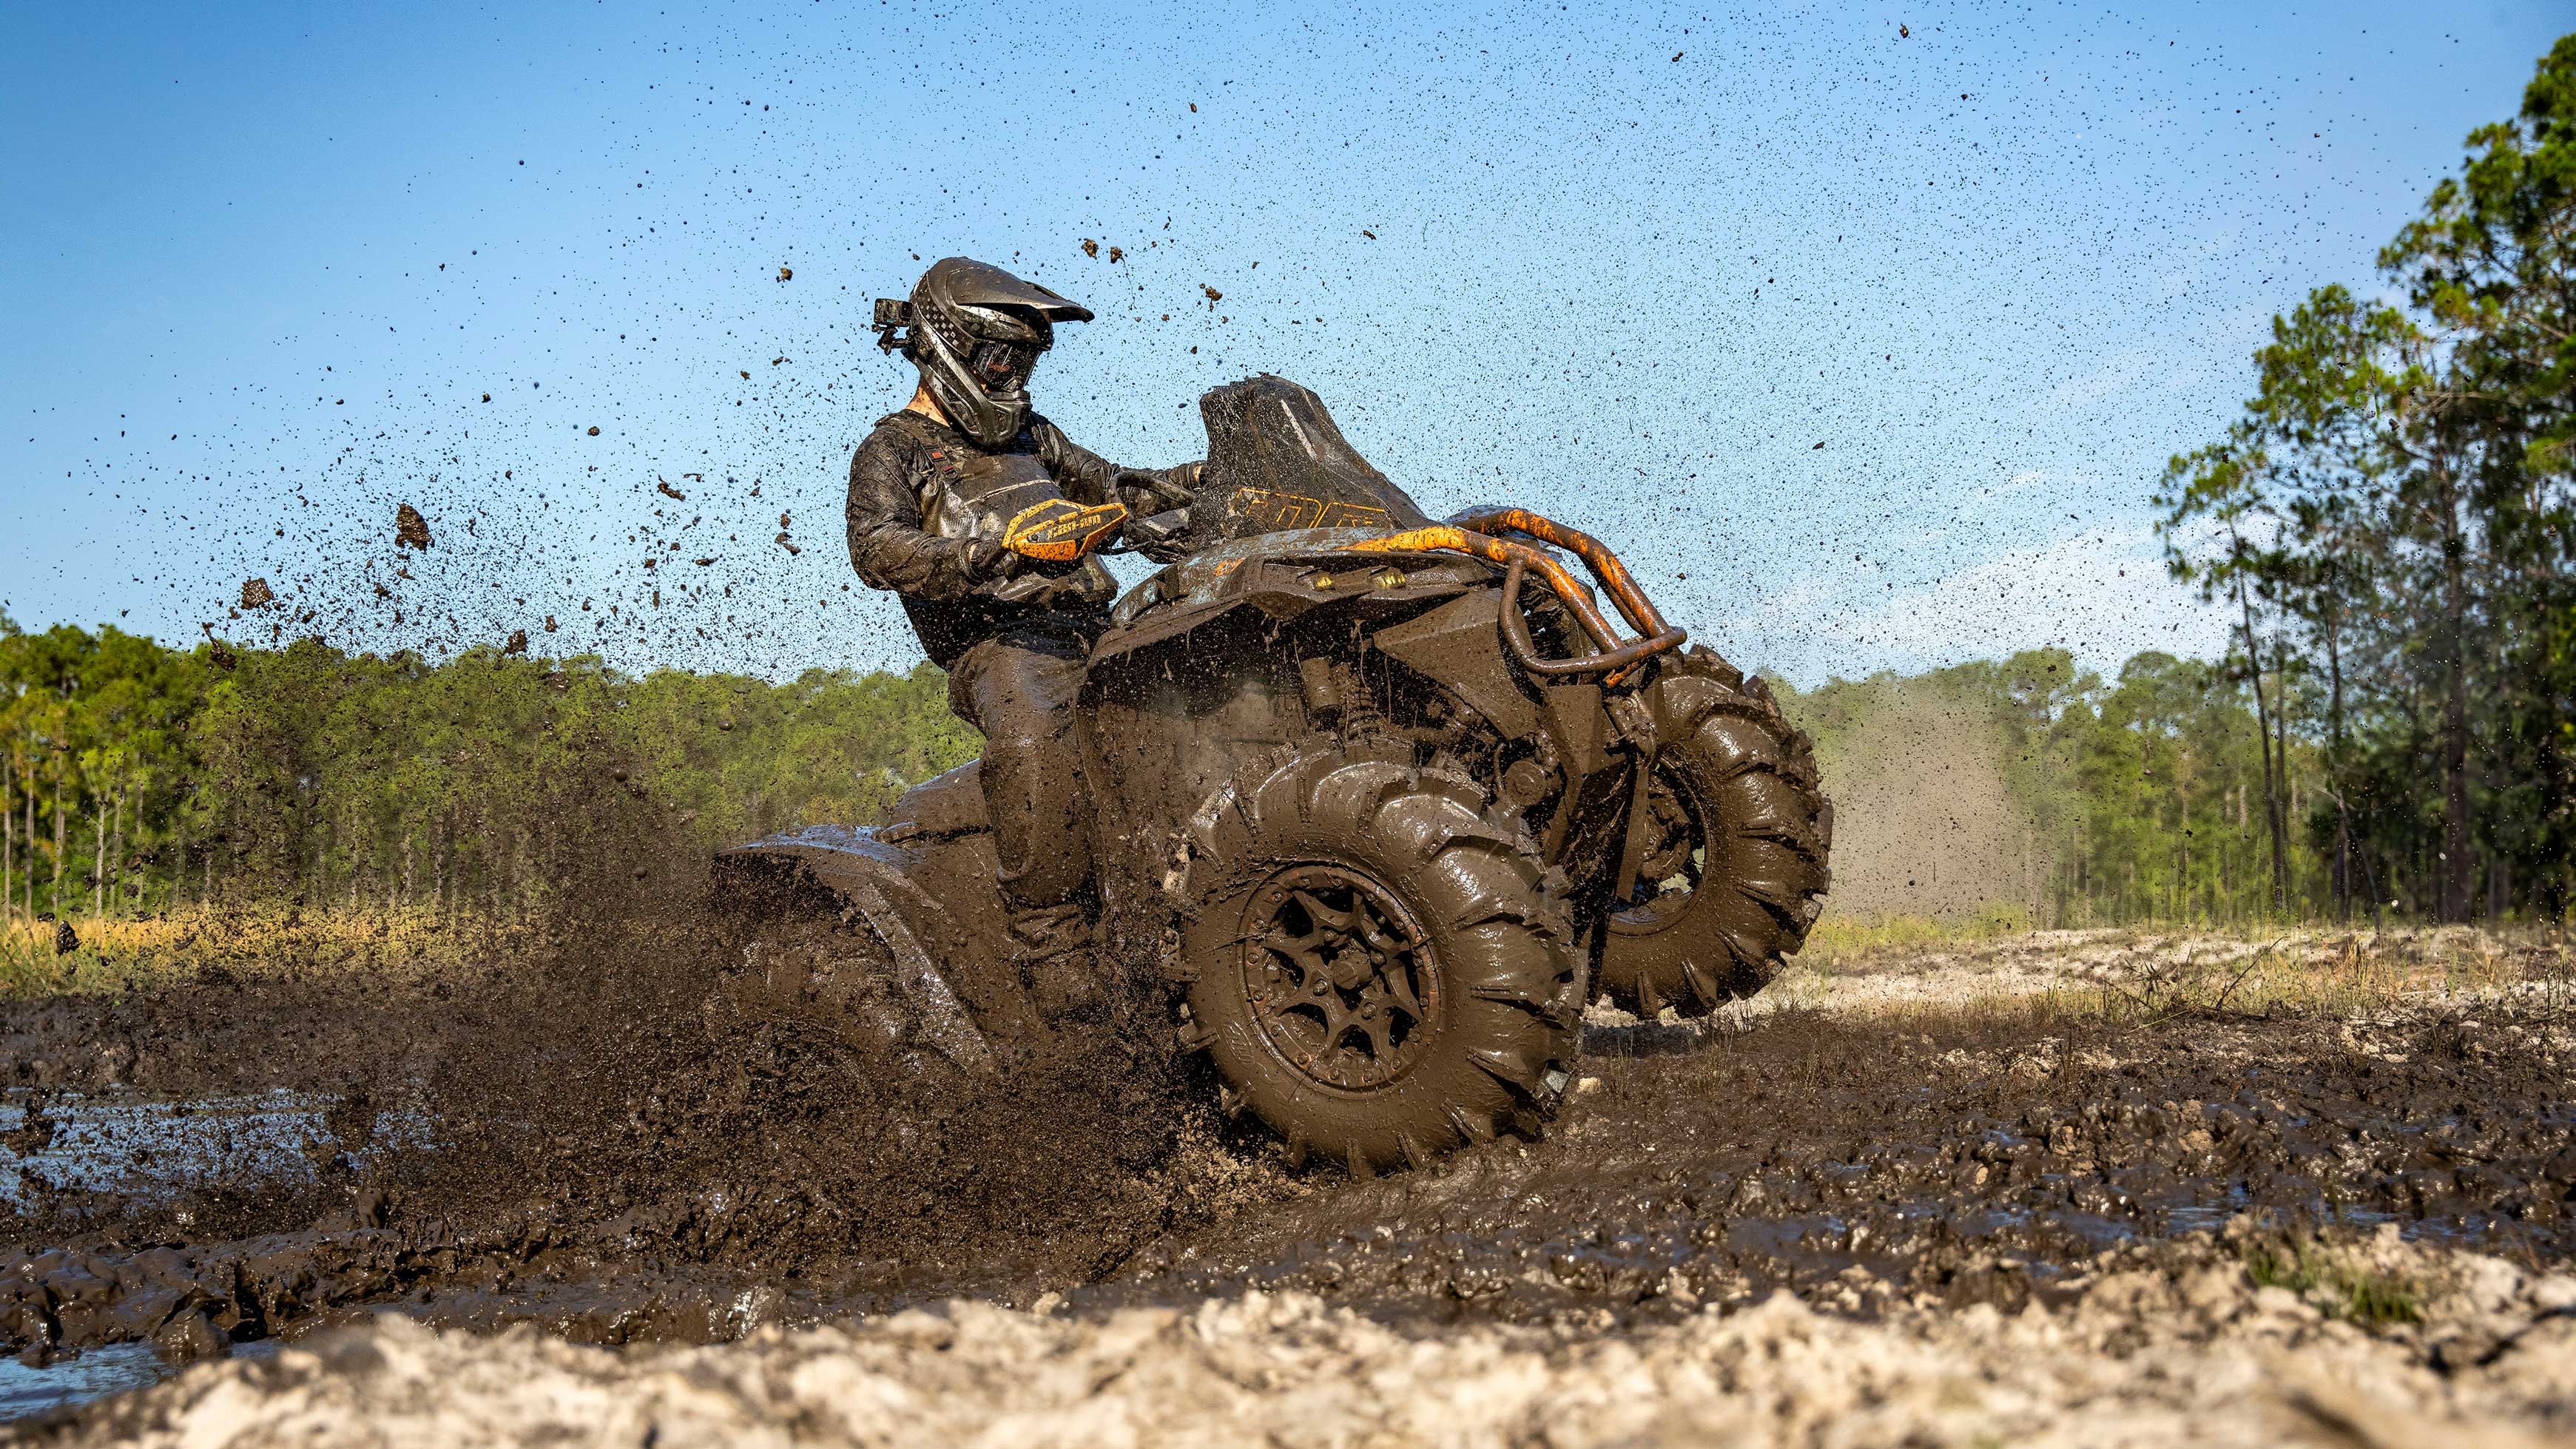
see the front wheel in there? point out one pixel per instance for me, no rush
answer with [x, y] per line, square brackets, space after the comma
[1733, 871]
[1377, 965]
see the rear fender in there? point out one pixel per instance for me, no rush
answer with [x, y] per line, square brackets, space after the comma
[932, 904]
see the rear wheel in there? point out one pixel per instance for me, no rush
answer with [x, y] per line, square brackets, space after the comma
[1377, 965]
[1734, 871]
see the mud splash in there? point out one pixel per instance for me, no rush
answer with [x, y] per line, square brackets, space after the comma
[592, 1135]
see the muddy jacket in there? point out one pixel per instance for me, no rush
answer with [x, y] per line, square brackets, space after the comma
[920, 491]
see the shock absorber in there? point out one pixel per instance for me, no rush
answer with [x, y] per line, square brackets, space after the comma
[1338, 698]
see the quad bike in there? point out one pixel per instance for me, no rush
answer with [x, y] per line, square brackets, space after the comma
[1381, 804]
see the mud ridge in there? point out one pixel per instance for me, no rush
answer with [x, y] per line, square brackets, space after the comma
[2181, 1352]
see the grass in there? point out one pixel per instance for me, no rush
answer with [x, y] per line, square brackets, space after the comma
[1993, 967]
[263, 941]
[1992, 963]
[1837, 938]
[2338, 1283]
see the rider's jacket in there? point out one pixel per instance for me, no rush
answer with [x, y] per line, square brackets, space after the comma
[921, 492]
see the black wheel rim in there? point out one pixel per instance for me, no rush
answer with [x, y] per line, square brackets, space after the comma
[1342, 986]
[1676, 856]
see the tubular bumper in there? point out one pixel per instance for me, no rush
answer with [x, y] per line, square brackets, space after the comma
[1476, 531]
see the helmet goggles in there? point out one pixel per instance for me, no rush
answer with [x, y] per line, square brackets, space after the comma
[1003, 367]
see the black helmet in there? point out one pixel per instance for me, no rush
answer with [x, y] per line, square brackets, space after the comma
[975, 331]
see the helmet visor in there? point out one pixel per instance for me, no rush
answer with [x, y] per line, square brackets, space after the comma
[1002, 367]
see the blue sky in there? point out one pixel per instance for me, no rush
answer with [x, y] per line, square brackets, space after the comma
[1626, 264]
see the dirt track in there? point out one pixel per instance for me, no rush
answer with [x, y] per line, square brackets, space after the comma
[2026, 1220]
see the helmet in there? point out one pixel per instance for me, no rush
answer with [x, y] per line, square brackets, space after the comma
[975, 333]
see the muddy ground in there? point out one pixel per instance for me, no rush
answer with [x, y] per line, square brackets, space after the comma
[1995, 1212]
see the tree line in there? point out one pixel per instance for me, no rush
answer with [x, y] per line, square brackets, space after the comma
[141, 778]
[2389, 524]
[2134, 796]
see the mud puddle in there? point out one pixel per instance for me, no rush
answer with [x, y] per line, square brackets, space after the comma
[136, 1147]
[654, 1171]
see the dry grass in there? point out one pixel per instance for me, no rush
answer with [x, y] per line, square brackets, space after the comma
[276, 942]
[1983, 966]
[1840, 936]
[1992, 963]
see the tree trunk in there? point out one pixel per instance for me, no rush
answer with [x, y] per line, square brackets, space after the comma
[2342, 883]
[2181, 892]
[98, 865]
[2271, 775]
[62, 848]
[2290, 803]
[2458, 877]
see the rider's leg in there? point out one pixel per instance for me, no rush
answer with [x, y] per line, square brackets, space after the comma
[1018, 687]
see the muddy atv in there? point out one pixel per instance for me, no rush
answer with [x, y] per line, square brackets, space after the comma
[1380, 804]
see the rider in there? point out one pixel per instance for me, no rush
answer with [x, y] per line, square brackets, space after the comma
[984, 517]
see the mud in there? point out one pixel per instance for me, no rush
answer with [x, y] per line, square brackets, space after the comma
[2149, 1354]
[1925, 821]
[593, 1137]
[590, 1144]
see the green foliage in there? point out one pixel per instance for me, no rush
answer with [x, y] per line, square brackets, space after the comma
[2392, 523]
[140, 777]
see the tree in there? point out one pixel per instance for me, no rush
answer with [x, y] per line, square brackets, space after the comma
[2492, 265]
[2397, 494]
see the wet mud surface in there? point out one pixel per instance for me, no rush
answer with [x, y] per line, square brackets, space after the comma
[592, 1144]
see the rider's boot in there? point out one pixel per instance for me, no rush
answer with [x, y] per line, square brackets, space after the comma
[1051, 947]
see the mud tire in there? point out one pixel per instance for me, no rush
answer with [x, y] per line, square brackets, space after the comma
[1494, 1055]
[1748, 783]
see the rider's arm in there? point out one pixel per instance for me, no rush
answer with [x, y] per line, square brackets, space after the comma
[1086, 477]
[887, 544]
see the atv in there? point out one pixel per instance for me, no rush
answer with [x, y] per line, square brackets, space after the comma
[1379, 805]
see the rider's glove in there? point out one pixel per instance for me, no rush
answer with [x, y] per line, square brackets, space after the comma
[985, 557]
[1160, 488]
[1061, 531]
